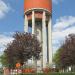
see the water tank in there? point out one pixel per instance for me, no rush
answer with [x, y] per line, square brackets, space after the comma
[37, 4]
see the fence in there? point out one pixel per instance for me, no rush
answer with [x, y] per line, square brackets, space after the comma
[12, 71]
[15, 71]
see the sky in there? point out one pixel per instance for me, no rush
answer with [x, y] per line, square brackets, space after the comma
[12, 20]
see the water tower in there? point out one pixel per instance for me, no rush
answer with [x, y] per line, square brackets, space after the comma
[38, 16]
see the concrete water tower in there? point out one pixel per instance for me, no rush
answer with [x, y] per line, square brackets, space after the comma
[38, 15]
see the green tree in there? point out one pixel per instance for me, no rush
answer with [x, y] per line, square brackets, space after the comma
[56, 58]
[3, 60]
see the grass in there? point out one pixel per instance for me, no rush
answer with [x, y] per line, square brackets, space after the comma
[51, 74]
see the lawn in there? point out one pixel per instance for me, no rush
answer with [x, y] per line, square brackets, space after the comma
[51, 74]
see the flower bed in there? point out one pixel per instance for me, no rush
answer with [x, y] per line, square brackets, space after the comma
[29, 70]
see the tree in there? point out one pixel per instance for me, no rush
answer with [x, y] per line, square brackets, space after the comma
[56, 58]
[3, 60]
[23, 47]
[66, 54]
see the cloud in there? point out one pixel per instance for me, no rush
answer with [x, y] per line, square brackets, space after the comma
[56, 1]
[63, 27]
[4, 40]
[4, 9]
[64, 22]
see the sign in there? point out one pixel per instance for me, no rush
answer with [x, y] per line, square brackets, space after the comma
[18, 65]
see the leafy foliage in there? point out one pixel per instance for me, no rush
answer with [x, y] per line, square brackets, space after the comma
[56, 58]
[23, 47]
[3, 60]
[65, 56]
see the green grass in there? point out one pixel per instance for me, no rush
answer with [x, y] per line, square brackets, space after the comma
[51, 74]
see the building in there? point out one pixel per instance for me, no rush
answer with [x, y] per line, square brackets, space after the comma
[38, 16]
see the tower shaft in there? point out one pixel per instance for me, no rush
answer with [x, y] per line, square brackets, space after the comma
[41, 28]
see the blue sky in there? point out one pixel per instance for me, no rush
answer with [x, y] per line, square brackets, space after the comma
[11, 20]
[13, 16]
